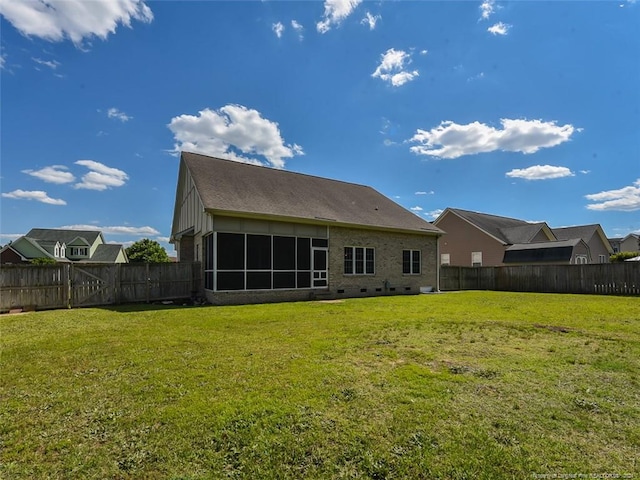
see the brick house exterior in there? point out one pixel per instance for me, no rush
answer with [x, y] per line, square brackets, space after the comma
[267, 235]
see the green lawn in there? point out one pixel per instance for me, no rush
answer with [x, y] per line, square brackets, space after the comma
[459, 385]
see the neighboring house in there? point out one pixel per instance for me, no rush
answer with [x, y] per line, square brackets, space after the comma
[267, 235]
[599, 247]
[630, 243]
[481, 239]
[615, 244]
[563, 252]
[63, 246]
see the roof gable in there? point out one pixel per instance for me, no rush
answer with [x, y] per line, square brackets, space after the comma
[585, 232]
[233, 188]
[51, 235]
[504, 229]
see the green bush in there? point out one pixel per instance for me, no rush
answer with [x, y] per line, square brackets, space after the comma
[622, 256]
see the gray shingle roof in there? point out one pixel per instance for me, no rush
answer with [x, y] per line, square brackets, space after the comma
[507, 230]
[584, 232]
[231, 187]
[106, 253]
[49, 235]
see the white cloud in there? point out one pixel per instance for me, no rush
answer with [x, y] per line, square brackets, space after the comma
[52, 64]
[218, 133]
[540, 172]
[486, 8]
[416, 209]
[451, 140]
[53, 174]
[433, 214]
[278, 28]
[77, 20]
[626, 199]
[391, 68]
[499, 29]
[11, 236]
[115, 230]
[100, 177]
[3, 59]
[431, 192]
[335, 11]
[298, 28]
[370, 20]
[118, 115]
[37, 195]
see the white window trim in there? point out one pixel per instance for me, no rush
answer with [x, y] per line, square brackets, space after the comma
[411, 272]
[364, 259]
[475, 256]
[444, 256]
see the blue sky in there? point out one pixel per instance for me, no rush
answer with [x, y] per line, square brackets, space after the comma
[524, 109]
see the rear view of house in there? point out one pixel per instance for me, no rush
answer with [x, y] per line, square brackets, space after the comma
[271, 235]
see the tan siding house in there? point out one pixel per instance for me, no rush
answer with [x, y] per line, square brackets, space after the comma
[481, 239]
[266, 235]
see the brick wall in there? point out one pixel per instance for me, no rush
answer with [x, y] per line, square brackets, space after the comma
[388, 278]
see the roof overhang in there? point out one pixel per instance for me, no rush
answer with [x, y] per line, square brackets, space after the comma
[321, 221]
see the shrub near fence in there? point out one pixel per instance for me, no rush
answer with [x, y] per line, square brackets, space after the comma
[604, 279]
[80, 285]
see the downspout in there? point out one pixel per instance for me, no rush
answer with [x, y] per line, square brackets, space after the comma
[438, 263]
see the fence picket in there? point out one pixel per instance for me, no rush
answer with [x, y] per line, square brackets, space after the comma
[66, 285]
[603, 279]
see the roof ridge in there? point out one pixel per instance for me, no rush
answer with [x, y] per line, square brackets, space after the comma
[291, 172]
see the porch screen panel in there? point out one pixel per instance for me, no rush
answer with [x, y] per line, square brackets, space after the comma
[208, 257]
[230, 280]
[230, 251]
[303, 254]
[258, 252]
[284, 253]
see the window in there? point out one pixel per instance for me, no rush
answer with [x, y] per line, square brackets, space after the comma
[581, 259]
[56, 250]
[239, 261]
[602, 258]
[445, 259]
[79, 251]
[476, 259]
[411, 262]
[63, 251]
[359, 261]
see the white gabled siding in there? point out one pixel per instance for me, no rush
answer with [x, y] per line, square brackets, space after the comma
[189, 211]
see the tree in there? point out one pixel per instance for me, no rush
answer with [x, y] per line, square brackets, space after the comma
[622, 256]
[147, 251]
[42, 261]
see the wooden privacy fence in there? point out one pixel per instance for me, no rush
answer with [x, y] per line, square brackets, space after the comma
[83, 285]
[604, 279]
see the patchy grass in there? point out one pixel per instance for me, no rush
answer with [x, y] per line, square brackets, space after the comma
[462, 385]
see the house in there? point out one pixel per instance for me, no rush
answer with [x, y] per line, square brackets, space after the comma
[74, 246]
[630, 243]
[599, 247]
[267, 235]
[481, 239]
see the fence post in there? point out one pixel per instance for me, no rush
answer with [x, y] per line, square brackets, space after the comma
[117, 284]
[146, 275]
[66, 284]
